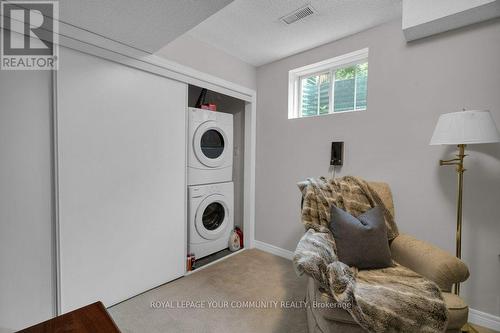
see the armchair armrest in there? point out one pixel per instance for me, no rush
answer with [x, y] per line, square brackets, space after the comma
[429, 261]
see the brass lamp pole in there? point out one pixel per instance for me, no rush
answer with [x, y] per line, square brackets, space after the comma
[459, 163]
[461, 128]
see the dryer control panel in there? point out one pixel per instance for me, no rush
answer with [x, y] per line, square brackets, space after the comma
[200, 115]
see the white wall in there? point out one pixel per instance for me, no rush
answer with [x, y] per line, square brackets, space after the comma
[26, 243]
[189, 51]
[409, 86]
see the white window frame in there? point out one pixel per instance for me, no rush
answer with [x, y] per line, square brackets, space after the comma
[325, 66]
[299, 92]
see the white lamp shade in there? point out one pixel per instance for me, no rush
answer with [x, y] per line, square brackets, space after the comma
[465, 127]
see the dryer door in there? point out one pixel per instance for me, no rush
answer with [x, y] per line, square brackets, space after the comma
[212, 217]
[210, 144]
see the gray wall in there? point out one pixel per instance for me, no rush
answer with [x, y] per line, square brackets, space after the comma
[189, 51]
[239, 162]
[26, 275]
[409, 86]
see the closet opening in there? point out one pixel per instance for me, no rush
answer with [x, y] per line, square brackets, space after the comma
[215, 176]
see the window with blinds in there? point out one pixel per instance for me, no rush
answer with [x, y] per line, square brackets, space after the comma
[335, 85]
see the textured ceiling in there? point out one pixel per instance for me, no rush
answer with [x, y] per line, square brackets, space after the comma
[251, 29]
[148, 25]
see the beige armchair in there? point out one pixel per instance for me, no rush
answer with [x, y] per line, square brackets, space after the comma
[427, 260]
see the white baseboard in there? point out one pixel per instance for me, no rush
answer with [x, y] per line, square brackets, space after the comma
[484, 319]
[475, 317]
[273, 249]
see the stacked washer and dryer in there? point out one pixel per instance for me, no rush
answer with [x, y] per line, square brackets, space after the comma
[210, 186]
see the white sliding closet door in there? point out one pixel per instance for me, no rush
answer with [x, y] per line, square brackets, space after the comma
[121, 167]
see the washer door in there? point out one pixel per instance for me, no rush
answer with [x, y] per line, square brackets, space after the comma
[212, 217]
[210, 144]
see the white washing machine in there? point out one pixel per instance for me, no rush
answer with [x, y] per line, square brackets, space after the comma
[211, 218]
[210, 152]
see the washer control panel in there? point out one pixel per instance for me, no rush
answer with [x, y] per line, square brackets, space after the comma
[201, 191]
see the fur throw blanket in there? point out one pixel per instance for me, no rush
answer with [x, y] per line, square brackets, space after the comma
[393, 299]
[352, 194]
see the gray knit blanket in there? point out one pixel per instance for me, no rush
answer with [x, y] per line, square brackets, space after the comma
[393, 299]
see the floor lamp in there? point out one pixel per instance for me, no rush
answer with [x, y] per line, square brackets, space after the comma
[461, 129]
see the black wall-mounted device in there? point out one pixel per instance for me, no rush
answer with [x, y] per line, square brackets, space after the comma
[337, 157]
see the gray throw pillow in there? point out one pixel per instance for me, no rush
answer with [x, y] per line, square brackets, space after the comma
[361, 242]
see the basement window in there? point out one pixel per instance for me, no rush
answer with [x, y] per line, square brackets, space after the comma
[331, 86]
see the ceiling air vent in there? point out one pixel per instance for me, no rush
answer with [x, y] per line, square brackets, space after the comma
[298, 14]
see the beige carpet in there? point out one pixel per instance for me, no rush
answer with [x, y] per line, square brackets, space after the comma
[251, 275]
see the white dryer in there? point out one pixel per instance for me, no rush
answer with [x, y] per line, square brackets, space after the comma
[211, 218]
[210, 151]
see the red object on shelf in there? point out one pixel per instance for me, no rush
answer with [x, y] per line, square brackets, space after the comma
[240, 234]
[209, 106]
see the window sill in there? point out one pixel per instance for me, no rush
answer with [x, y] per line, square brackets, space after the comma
[327, 114]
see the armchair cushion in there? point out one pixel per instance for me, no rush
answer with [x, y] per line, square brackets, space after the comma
[458, 311]
[429, 261]
[325, 315]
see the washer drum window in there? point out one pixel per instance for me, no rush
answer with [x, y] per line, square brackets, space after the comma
[213, 216]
